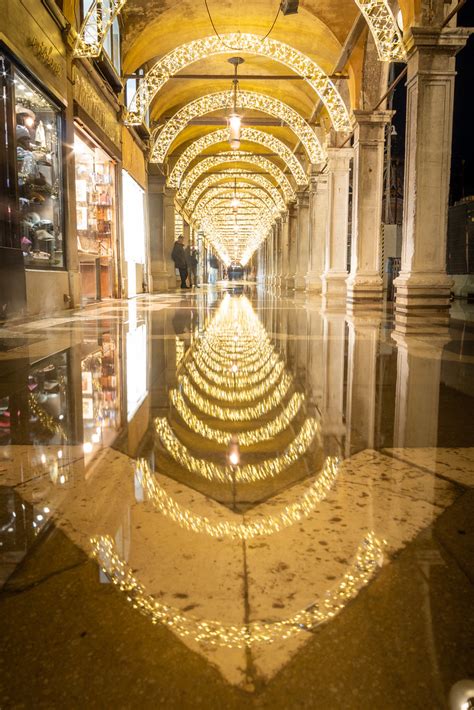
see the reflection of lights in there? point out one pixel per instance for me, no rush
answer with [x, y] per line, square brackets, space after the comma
[233, 414]
[87, 447]
[368, 558]
[248, 473]
[39, 517]
[246, 438]
[62, 479]
[235, 395]
[60, 454]
[43, 459]
[46, 509]
[254, 525]
[234, 369]
[95, 438]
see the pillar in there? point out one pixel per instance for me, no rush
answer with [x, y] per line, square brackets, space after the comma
[318, 206]
[285, 237]
[365, 284]
[278, 251]
[361, 397]
[161, 220]
[292, 255]
[186, 233]
[335, 261]
[302, 240]
[423, 287]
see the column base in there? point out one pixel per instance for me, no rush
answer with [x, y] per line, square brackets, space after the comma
[162, 281]
[313, 281]
[365, 289]
[300, 282]
[422, 302]
[334, 284]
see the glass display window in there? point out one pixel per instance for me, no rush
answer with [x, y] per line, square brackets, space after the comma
[95, 219]
[34, 189]
[101, 395]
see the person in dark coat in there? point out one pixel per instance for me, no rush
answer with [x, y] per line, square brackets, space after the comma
[179, 257]
[192, 264]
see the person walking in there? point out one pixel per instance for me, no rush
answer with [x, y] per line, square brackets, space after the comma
[179, 257]
[213, 266]
[192, 264]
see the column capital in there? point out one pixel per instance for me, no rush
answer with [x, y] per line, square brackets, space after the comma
[338, 158]
[361, 117]
[302, 198]
[448, 40]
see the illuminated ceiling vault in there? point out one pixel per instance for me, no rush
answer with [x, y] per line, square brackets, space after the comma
[300, 80]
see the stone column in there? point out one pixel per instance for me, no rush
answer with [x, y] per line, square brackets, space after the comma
[186, 233]
[278, 251]
[285, 224]
[335, 262]
[361, 397]
[302, 240]
[365, 284]
[423, 287]
[318, 205]
[161, 220]
[292, 237]
[417, 390]
[333, 426]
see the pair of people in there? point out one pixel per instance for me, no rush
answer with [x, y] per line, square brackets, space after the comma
[186, 261]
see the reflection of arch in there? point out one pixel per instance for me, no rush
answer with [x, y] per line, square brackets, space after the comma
[247, 133]
[222, 100]
[251, 527]
[186, 54]
[368, 558]
[211, 180]
[259, 161]
[241, 474]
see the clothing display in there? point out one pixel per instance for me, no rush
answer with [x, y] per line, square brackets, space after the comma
[37, 141]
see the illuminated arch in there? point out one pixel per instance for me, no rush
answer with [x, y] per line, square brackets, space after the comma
[213, 161]
[225, 196]
[210, 180]
[222, 100]
[226, 191]
[246, 134]
[186, 54]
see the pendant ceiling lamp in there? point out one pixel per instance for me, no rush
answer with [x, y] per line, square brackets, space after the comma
[235, 120]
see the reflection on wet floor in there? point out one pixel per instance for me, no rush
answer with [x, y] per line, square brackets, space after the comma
[248, 472]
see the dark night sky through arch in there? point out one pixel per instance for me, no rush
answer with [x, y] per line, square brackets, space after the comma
[462, 162]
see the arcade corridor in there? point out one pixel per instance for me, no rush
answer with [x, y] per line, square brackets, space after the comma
[228, 499]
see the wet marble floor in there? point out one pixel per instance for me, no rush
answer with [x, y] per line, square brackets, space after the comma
[229, 499]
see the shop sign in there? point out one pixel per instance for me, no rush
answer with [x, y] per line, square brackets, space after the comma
[85, 94]
[44, 54]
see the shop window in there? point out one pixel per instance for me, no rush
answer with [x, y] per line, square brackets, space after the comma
[33, 184]
[111, 45]
[95, 219]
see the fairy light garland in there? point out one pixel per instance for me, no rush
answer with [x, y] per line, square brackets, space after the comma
[241, 474]
[164, 137]
[233, 174]
[253, 135]
[250, 528]
[368, 559]
[245, 438]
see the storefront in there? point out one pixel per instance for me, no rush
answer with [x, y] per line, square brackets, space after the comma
[96, 222]
[134, 234]
[32, 224]
[97, 156]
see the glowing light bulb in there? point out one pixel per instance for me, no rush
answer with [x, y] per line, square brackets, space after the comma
[60, 454]
[43, 458]
[87, 447]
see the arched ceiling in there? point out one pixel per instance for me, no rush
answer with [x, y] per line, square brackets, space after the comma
[185, 58]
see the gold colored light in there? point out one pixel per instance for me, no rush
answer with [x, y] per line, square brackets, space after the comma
[211, 180]
[164, 137]
[368, 559]
[252, 526]
[186, 54]
[214, 161]
[253, 135]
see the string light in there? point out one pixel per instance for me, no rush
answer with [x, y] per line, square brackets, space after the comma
[233, 174]
[246, 438]
[250, 473]
[186, 54]
[214, 161]
[252, 527]
[252, 135]
[164, 137]
[368, 559]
